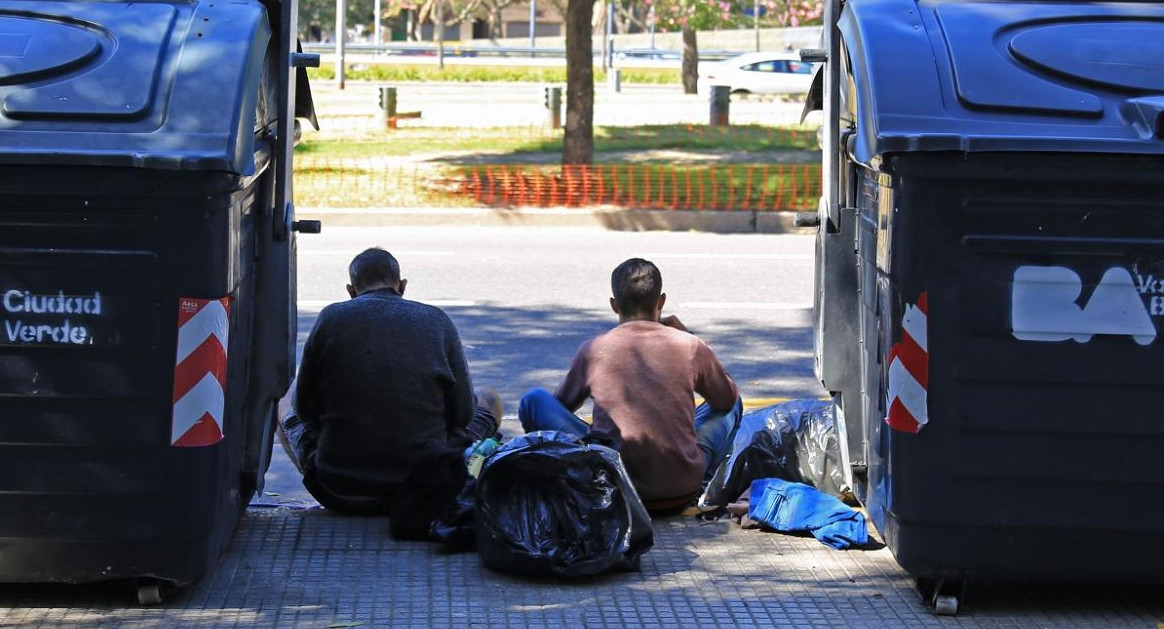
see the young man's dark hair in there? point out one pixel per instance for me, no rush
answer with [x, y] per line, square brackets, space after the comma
[374, 267]
[636, 285]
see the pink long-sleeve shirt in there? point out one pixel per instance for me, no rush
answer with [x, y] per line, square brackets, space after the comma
[643, 376]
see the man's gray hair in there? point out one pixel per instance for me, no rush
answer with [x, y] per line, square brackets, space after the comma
[374, 267]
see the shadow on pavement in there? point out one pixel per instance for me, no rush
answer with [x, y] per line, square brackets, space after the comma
[515, 349]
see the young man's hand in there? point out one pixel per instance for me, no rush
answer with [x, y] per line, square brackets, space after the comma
[672, 321]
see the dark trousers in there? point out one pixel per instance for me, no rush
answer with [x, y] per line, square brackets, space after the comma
[293, 431]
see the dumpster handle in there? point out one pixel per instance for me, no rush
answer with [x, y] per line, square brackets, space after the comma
[289, 224]
[304, 60]
[307, 227]
[807, 219]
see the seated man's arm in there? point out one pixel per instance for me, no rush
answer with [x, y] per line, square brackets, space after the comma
[575, 389]
[713, 382]
[307, 397]
[459, 405]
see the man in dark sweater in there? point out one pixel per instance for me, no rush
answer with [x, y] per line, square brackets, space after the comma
[382, 380]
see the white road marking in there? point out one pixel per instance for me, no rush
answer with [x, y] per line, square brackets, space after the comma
[351, 253]
[315, 304]
[728, 256]
[742, 305]
[319, 304]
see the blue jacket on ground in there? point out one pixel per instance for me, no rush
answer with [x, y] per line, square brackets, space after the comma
[790, 507]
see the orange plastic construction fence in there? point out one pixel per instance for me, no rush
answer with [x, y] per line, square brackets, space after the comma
[720, 187]
[354, 182]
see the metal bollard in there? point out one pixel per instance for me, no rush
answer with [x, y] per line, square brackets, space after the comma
[721, 98]
[388, 107]
[552, 100]
[806, 219]
[615, 79]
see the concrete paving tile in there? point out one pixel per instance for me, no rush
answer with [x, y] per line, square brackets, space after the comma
[293, 568]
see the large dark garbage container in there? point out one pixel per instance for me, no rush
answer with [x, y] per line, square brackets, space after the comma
[996, 233]
[146, 276]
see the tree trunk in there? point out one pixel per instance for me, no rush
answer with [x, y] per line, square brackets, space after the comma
[495, 22]
[690, 61]
[439, 33]
[579, 144]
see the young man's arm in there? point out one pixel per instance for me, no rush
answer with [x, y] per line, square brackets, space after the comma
[672, 321]
[574, 390]
[713, 382]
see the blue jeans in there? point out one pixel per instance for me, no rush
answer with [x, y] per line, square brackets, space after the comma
[714, 430]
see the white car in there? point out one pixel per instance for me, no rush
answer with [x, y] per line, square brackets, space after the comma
[758, 73]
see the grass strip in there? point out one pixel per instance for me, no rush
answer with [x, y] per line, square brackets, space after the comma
[536, 139]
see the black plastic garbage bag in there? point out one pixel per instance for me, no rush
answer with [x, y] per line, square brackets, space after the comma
[795, 441]
[549, 504]
[454, 527]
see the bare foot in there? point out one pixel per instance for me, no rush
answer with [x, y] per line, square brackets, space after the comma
[281, 434]
[487, 398]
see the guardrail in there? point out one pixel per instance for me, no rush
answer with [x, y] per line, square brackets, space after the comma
[459, 49]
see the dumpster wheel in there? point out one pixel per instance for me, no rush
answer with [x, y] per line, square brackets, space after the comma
[944, 595]
[149, 591]
[946, 605]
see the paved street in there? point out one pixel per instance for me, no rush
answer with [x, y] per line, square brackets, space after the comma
[523, 300]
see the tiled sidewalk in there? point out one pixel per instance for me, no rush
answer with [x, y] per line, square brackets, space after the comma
[306, 568]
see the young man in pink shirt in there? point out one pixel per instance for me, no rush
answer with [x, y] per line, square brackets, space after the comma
[642, 376]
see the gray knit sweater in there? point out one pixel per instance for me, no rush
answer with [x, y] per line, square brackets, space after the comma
[382, 378]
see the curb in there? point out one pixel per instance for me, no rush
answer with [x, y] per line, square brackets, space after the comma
[614, 219]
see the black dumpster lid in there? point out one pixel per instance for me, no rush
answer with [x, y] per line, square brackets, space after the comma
[153, 84]
[976, 76]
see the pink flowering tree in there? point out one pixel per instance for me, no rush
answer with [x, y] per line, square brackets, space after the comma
[690, 16]
[792, 12]
[442, 14]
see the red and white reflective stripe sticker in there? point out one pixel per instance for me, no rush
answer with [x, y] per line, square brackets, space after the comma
[909, 371]
[200, 372]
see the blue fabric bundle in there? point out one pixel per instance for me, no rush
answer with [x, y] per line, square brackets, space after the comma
[793, 507]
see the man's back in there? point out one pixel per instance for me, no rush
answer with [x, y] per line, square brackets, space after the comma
[382, 378]
[641, 376]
